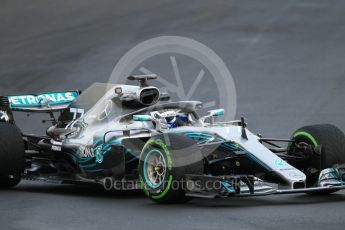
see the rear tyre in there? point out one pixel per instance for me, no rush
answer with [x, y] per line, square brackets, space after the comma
[9, 182]
[164, 161]
[12, 159]
[332, 141]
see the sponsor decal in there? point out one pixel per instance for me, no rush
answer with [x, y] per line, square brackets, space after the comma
[296, 175]
[56, 148]
[100, 151]
[280, 163]
[287, 169]
[99, 154]
[43, 99]
[56, 142]
[86, 152]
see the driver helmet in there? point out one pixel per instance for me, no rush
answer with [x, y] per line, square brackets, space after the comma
[176, 121]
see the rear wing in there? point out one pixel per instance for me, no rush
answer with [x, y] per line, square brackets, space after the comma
[44, 102]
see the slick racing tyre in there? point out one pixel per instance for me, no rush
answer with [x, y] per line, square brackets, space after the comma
[164, 161]
[12, 159]
[332, 143]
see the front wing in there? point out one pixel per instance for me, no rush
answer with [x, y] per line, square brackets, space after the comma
[205, 186]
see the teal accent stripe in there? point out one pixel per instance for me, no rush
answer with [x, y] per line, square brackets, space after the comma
[228, 187]
[89, 165]
[95, 170]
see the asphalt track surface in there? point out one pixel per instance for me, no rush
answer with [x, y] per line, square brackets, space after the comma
[287, 61]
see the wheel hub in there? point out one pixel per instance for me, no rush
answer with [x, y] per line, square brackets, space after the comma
[155, 168]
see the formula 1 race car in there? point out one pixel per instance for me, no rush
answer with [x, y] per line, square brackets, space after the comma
[121, 135]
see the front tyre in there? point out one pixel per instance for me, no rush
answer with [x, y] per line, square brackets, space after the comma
[164, 161]
[332, 143]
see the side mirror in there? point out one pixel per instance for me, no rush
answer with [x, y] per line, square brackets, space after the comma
[142, 118]
[216, 112]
